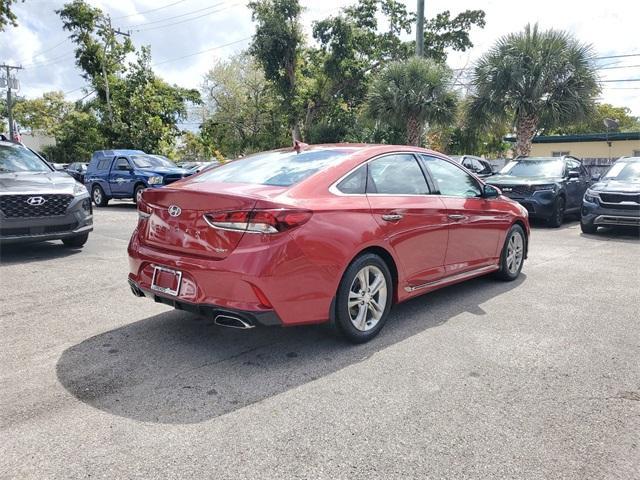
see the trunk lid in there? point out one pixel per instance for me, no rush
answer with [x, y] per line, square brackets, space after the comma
[177, 223]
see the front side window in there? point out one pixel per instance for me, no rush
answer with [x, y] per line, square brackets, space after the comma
[451, 180]
[397, 174]
[122, 164]
[15, 158]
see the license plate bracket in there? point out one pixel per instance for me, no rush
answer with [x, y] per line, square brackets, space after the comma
[166, 280]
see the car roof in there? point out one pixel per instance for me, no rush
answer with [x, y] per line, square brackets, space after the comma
[113, 153]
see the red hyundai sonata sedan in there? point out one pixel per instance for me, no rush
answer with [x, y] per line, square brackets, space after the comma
[327, 233]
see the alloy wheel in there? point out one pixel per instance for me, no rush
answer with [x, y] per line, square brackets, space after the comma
[97, 196]
[367, 298]
[515, 252]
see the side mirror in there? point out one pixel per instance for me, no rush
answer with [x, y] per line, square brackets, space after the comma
[595, 177]
[489, 191]
[573, 174]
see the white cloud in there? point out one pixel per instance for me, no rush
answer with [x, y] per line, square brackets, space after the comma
[611, 27]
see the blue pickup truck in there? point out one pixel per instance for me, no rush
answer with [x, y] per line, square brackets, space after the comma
[126, 173]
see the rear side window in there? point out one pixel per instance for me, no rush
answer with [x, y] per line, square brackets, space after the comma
[355, 183]
[103, 164]
[396, 175]
[279, 168]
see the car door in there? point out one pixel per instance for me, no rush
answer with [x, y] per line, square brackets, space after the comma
[121, 177]
[576, 181]
[475, 223]
[412, 219]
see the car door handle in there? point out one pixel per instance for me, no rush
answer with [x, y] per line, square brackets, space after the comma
[392, 217]
[456, 217]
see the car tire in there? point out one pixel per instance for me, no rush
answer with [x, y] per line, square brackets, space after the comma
[557, 217]
[512, 256]
[137, 193]
[588, 227]
[98, 196]
[76, 242]
[364, 298]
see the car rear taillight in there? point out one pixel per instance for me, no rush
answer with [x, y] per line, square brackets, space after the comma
[258, 221]
[144, 210]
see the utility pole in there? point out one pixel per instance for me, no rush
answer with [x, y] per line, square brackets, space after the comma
[8, 69]
[420, 29]
[112, 33]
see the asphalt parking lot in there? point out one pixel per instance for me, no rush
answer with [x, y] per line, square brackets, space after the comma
[539, 378]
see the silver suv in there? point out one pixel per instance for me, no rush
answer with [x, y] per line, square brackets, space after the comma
[38, 203]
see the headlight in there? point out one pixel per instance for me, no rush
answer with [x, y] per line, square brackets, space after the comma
[79, 189]
[544, 188]
[591, 197]
[155, 180]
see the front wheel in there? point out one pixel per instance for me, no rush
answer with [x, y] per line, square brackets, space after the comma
[557, 217]
[137, 195]
[364, 298]
[76, 242]
[512, 257]
[98, 196]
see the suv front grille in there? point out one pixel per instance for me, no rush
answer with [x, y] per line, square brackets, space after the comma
[16, 206]
[516, 190]
[620, 197]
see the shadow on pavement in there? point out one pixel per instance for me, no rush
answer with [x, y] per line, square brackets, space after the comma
[35, 252]
[620, 234]
[180, 369]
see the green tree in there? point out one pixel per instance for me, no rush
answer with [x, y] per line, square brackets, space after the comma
[595, 121]
[277, 46]
[44, 114]
[78, 136]
[535, 79]
[7, 16]
[243, 110]
[412, 94]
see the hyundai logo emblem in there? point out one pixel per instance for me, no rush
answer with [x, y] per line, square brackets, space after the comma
[35, 201]
[175, 210]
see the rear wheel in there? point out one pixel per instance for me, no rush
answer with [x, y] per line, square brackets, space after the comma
[137, 194]
[76, 242]
[364, 298]
[512, 257]
[557, 217]
[98, 196]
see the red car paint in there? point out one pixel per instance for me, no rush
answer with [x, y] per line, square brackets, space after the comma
[295, 274]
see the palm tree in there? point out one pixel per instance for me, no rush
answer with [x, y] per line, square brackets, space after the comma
[412, 94]
[534, 79]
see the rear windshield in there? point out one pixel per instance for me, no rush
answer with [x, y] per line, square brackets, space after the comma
[279, 168]
[20, 159]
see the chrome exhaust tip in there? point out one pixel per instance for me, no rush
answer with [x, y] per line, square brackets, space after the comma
[232, 322]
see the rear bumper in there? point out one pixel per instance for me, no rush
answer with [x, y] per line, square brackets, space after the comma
[252, 318]
[595, 214]
[77, 221]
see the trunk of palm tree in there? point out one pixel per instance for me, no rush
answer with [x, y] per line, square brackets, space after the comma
[526, 127]
[414, 132]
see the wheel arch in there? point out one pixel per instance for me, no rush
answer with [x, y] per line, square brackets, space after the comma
[387, 258]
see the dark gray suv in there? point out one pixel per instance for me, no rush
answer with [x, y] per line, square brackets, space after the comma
[38, 203]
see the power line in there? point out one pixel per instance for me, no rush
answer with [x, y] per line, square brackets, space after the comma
[201, 51]
[618, 56]
[50, 48]
[622, 80]
[149, 11]
[186, 20]
[175, 16]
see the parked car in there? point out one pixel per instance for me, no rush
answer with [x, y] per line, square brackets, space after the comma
[77, 170]
[615, 198]
[548, 187]
[60, 167]
[126, 173]
[334, 233]
[477, 165]
[38, 203]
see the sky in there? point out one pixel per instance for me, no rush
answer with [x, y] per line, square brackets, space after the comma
[187, 37]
